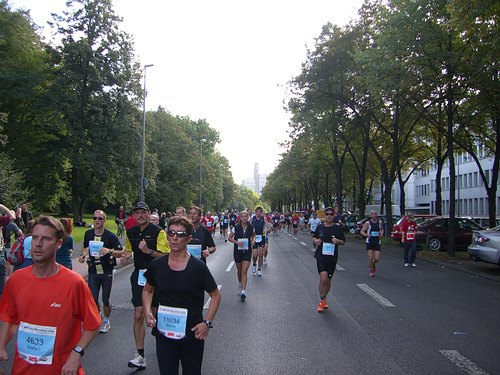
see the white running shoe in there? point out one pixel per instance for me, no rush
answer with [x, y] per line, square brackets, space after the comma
[243, 295]
[105, 327]
[265, 261]
[406, 264]
[413, 265]
[259, 273]
[254, 268]
[138, 361]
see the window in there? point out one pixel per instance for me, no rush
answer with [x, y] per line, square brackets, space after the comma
[475, 179]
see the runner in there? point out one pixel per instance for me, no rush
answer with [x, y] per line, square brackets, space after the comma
[313, 224]
[301, 222]
[179, 281]
[104, 247]
[208, 221]
[180, 211]
[145, 242]
[202, 244]
[373, 230]
[268, 228]
[49, 307]
[295, 223]
[260, 226]
[232, 220]
[225, 225]
[327, 238]
[242, 237]
[339, 218]
[221, 226]
[276, 223]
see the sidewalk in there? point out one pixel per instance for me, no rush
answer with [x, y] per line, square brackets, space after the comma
[479, 269]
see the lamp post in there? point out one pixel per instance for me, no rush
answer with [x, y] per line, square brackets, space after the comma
[141, 195]
[201, 169]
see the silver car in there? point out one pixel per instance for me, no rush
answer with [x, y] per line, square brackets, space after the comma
[486, 246]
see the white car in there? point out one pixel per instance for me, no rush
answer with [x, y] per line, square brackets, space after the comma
[485, 246]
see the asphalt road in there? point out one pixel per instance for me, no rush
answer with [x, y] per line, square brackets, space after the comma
[427, 320]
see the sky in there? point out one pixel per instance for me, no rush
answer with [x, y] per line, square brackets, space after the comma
[225, 61]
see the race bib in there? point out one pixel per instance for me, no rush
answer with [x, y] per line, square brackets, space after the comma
[374, 234]
[328, 249]
[258, 238]
[171, 322]
[35, 344]
[225, 221]
[94, 247]
[410, 236]
[245, 244]
[194, 250]
[209, 224]
[141, 280]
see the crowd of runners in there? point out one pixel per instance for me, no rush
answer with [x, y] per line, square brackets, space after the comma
[168, 282]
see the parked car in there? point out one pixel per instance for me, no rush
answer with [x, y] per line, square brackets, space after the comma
[486, 246]
[484, 221]
[396, 228]
[435, 233]
[359, 224]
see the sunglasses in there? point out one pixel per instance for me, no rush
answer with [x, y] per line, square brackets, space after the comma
[98, 218]
[179, 233]
[330, 214]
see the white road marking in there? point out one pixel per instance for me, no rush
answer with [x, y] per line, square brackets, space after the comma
[463, 363]
[377, 297]
[210, 298]
[230, 266]
[340, 268]
[303, 243]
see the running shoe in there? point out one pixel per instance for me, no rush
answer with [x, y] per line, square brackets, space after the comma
[254, 268]
[105, 327]
[259, 273]
[243, 295]
[413, 265]
[372, 273]
[325, 304]
[137, 362]
[407, 265]
[265, 261]
[321, 306]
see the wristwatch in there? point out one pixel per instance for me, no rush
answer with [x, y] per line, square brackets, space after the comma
[151, 252]
[79, 350]
[209, 323]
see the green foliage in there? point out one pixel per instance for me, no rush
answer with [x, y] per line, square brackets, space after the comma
[406, 82]
[71, 115]
[12, 190]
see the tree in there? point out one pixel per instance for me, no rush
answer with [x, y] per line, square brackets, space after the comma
[98, 91]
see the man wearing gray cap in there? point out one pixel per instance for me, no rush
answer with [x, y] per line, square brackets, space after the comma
[145, 242]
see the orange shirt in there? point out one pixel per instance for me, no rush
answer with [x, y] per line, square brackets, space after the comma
[63, 301]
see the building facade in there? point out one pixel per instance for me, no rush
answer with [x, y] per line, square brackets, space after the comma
[470, 193]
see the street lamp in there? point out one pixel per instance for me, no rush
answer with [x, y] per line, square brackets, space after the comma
[201, 169]
[141, 196]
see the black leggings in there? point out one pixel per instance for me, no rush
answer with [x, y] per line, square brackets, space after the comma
[96, 281]
[188, 352]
